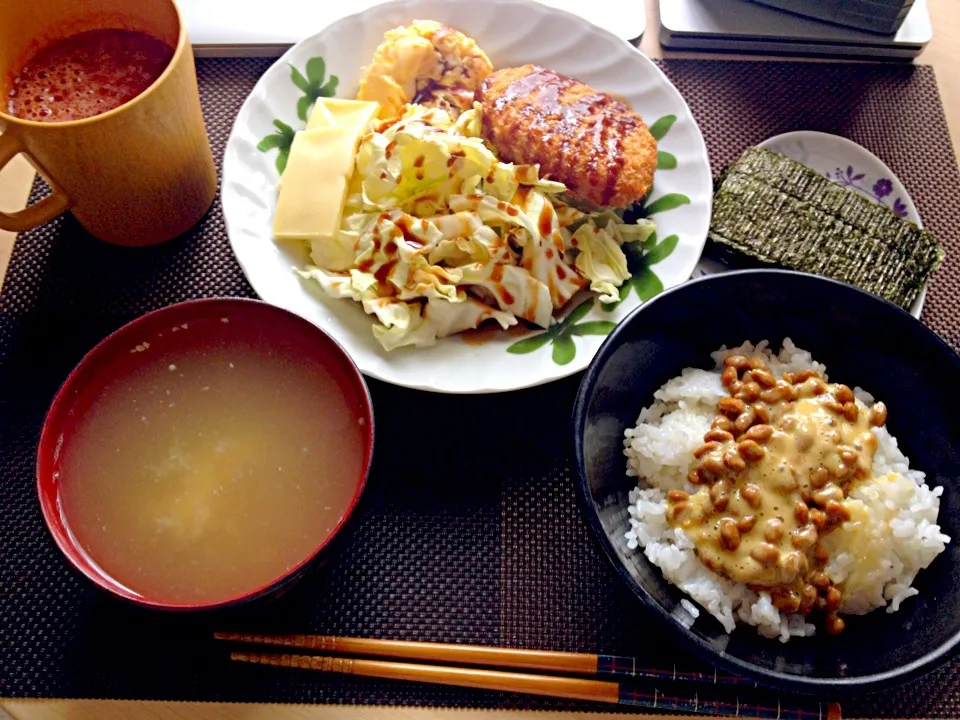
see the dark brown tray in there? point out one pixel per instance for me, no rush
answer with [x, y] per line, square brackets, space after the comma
[464, 542]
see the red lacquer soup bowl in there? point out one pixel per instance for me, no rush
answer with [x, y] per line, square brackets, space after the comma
[205, 455]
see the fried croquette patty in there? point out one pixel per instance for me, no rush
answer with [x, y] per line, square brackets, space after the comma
[594, 144]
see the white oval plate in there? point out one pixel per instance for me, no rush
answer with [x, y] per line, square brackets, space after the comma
[512, 32]
[853, 167]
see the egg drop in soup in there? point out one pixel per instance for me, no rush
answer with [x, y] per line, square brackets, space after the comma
[212, 464]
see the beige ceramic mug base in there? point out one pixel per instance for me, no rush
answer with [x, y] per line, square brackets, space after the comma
[139, 174]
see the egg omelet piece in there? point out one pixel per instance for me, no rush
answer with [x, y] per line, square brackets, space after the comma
[426, 63]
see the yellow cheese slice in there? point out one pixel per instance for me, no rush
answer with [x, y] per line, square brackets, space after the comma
[315, 183]
[347, 113]
[320, 116]
[321, 162]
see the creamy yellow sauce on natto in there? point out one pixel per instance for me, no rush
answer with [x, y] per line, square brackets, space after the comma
[774, 471]
[806, 436]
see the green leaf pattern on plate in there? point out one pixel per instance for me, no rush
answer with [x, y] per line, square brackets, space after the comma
[664, 203]
[529, 344]
[561, 335]
[666, 161]
[314, 83]
[643, 280]
[647, 284]
[662, 126]
[593, 327]
[564, 349]
[661, 250]
[281, 139]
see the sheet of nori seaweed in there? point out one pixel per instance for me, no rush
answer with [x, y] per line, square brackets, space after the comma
[780, 211]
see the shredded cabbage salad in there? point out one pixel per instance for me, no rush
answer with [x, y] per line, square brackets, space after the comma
[437, 235]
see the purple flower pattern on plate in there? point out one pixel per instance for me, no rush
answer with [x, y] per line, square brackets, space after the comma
[882, 190]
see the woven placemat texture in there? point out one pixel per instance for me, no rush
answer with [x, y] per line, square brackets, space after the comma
[455, 540]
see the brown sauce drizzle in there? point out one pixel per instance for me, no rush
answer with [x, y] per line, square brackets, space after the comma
[405, 224]
[595, 124]
[531, 312]
[383, 278]
[522, 195]
[621, 99]
[434, 94]
[545, 223]
[526, 174]
[490, 330]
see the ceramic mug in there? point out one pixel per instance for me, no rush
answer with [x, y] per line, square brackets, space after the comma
[139, 174]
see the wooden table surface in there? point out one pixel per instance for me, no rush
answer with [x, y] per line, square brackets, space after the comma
[943, 53]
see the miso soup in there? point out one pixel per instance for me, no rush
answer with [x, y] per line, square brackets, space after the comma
[212, 463]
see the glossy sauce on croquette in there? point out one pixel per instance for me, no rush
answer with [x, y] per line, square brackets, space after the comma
[593, 143]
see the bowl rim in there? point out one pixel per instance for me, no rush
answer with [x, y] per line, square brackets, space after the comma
[834, 687]
[104, 352]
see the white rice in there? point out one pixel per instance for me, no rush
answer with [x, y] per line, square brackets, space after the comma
[894, 516]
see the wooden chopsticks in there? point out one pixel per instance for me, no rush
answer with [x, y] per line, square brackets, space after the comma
[579, 663]
[607, 691]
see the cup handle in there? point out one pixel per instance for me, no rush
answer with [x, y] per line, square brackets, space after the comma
[32, 215]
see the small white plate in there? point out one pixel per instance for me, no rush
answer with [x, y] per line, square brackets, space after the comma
[849, 165]
[513, 33]
[853, 167]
